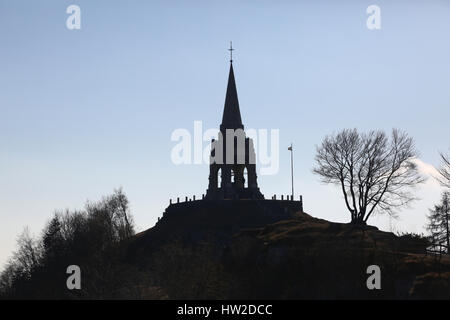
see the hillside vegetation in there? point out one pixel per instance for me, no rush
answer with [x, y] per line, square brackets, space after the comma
[231, 250]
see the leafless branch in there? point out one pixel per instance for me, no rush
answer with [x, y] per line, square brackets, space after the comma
[375, 173]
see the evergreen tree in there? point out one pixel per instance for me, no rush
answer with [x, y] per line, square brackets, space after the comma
[438, 222]
[52, 239]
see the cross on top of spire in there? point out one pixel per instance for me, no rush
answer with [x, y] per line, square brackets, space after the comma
[231, 51]
[231, 118]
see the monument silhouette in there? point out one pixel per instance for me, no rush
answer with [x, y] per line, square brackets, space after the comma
[231, 167]
[233, 199]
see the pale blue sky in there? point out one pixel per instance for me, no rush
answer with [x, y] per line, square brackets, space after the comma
[85, 111]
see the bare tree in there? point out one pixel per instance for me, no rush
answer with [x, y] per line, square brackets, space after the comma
[92, 238]
[375, 173]
[444, 171]
[28, 256]
[113, 214]
[20, 268]
[439, 222]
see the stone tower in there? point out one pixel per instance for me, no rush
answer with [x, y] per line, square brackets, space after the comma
[232, 154]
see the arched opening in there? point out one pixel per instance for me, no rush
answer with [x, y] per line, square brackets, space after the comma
[245, 177]
[219, 178]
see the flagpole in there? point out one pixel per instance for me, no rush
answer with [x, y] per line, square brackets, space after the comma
[292, 169]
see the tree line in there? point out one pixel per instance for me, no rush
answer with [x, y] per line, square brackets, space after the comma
[92, 238]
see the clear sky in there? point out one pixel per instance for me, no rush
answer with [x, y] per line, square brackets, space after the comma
[85, 111]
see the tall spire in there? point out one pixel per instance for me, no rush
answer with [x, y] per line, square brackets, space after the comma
[231, 118]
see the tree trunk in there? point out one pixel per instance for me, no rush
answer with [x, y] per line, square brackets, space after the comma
[358, 221]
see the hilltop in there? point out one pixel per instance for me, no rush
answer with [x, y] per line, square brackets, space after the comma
[227, 249]
[204, 252]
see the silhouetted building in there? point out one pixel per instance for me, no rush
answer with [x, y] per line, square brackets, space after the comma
[232, 154]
